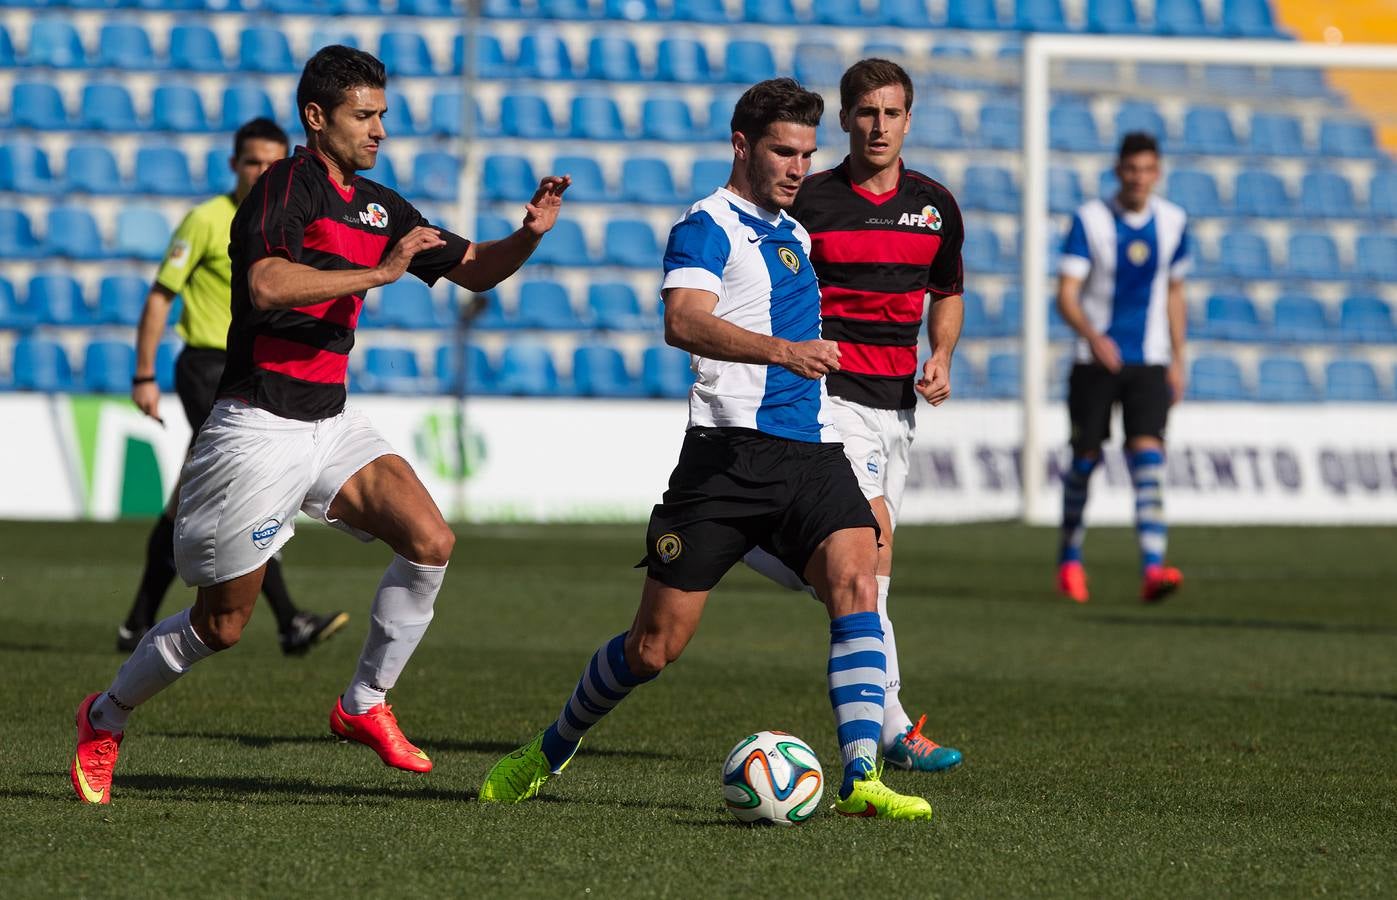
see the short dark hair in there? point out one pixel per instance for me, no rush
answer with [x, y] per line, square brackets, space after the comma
[1137, 142]
[775, 100]
[869, 75]
[332, 71]
[259, 129]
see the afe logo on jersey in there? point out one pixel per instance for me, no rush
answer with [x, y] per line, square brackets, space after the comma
[929, 217]
[668, 547]
[1138, 252]
[789, 258]
[374, 215]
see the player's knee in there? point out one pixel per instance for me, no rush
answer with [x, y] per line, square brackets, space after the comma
[432, 546]
[222, 631]
[853, 591]
[647, 655]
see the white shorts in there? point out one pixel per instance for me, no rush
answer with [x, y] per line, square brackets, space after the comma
[876, 442]
[247, 476]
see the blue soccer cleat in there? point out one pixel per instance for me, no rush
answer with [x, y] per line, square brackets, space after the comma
[914, 750]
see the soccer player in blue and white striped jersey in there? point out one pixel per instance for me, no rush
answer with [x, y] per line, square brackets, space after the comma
[1121, 289]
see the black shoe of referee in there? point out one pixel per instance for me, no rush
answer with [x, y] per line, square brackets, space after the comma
[308, 629]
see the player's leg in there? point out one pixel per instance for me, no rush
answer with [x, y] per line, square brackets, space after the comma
[1090, 394]
[1145, 410]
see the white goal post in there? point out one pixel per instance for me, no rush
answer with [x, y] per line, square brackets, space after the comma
[1039, 52]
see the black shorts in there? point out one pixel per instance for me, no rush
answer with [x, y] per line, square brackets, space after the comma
[735, 489]
[1142, 391]
[197, 373]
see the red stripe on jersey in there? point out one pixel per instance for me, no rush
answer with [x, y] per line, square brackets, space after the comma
[872, 359]
[359, 247]
[299, 360]
[874, 246]
[341, 310]
[847, 303]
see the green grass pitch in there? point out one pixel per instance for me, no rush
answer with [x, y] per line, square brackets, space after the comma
[1238, 740]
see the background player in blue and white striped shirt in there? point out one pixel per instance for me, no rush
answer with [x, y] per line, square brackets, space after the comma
[761, 463]
[1121, 289]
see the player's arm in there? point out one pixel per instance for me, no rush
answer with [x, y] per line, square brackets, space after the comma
[691, 325]
[278, 283]
[146, 394]
[487, 264]
[943, 331]
[1073, 269]
[1178, 336]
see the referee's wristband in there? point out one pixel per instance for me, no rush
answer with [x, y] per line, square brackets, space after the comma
[142, 379]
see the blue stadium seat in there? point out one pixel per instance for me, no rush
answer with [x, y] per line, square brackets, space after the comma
[324, 35]
[490, 60]
[612, 305]
[1039, 15]
[1245, 254]
[41, 364]
[526, 116]
[163, 170]
[384, 172]
[1262, 195]
[124, 45]
[981, 251]
[107, 106]
[218, 176]
[24, 169]
[596, 117]
[564, 246]
[612, 57]
[565, 9]
[1351, 138]
[1382, 194]
[89, 169]
[14, 316]
[1284, 379]
[1072, 128]
[966, 381]
[1327, 195]
[707, 175]
[107, 367]
[1231, 317]
[545, 305]
[708, 11]
[120, 299]
[1208, 131]
[242, 103]
[990, 187]
[667, 119]
[747, 62]
[1375, 257]
[1064, 190]
[1351, 381]
[978, 323]
[264, 49]
[440, 9]
[1296, 81]
[588, 182]
[818, 64]
[195, 48]
[630, 242]
[436, 175]
[769, 12]
[1217, 378]
[684, 60]
[446, 118]
[600, 371]
[1003, 376]
[165, 353]
[1312, 255]
[947, 54]
[1234, 80]
[543, 55]
[1140, 115]
[405, 53]
[1180, 17]
[17, 240]
[391, 370]
[719, 121]
[527, 369]
[633, 10]
[975, 15]
[1300, 319]
[141, 233]
[492, 228]
[37, 105]
[1249, 18]
[407, 303]
[506, 9]
[71, 233]
[54, 42]
[57, 300]
[479, 374]
[1363, 319]
[1162, 75]
[7, 48]
[1276, 134]
[1001, 125]
[666, 371]
[178, 108]
[936, 125]
[647, 180]
[1112, 17]
[1196, 192]
[845, 13]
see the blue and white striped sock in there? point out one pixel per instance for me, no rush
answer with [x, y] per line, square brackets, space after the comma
[1147, 472]
[1074, 499]
[857, 672]
[605, 682]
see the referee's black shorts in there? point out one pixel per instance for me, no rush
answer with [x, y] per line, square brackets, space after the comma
[197, 373]
[1092, 390]
[735, 489]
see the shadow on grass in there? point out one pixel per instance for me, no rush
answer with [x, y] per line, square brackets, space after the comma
[1255, 624]
[34, 647]
[452, 745]
[246, 789]
[1355, 695]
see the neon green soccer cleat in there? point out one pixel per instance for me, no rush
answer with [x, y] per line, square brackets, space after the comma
[870, 799]
[520, 774]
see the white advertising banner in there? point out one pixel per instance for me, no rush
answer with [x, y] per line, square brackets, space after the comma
[589, 460]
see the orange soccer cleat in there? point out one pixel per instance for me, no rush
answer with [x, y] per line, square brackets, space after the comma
[91, 769]
[1072, 581]
[1159, 582]
[378, 729]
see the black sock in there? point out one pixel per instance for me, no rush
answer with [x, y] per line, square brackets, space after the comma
[274, 589]
[159, 572]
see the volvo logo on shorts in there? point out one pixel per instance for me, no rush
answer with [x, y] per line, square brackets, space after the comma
[789, 258]
[668, 547]
[262, 535]
[872, 465]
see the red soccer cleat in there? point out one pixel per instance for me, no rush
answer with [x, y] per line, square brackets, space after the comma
[378, 729]
[91, 770]
[1159, 582]
[1072, 581]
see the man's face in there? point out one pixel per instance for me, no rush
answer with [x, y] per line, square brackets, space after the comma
[255, 157]
[352, 131]
[1138, 174]
[777, 163]
[877, 125]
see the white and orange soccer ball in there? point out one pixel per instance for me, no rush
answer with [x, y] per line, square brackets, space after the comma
[772, 777]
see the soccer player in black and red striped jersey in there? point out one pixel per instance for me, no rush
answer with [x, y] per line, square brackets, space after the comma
[311, 239]
[883, 237]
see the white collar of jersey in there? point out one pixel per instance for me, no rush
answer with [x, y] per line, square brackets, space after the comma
[752, 209]
[1131, 217]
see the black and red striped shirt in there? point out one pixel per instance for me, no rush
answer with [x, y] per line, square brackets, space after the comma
[877, 256]
[292, 362]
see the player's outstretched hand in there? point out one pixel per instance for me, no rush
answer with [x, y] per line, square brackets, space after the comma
[935, 383]
[400, 257]
[812, 359]
[541, 213]
[1106, 352]
[146, 396]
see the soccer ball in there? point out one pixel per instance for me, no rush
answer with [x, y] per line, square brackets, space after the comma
[772, 777]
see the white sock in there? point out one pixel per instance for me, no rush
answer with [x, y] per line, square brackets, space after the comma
[895, 720]
[763, 563]
[164, 654]
[401, 612]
